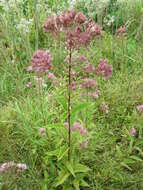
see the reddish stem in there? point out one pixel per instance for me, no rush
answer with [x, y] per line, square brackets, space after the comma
[69, 106]
[87, 94]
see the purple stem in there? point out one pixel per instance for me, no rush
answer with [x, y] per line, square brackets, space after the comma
[69, 106]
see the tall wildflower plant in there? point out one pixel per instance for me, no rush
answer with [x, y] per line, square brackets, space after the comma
[79, 31]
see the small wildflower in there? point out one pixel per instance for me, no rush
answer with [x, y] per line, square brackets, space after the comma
[104, 69]
[133, 132]
[41, 61]
[104, 108]
[140, 108]
[40, 81]
[55, 82]
[89, 68]
[73, 85]
[51, 76]
[42, 132]
[29, 84]
[93, 29]
[80, 86]
[121, 31]
[96, 94]
[50, 25]
[21, 166]
[25, 25]
[9, 166]
[5, 167]
[89, 83]
[72, 73]
[80, 18]
[84, 59]
[78, 127]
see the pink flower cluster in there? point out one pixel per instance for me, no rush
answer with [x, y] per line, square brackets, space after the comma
[140, 108]
[93, 29]
[60, 22]
[40, 62]
[89, 83]
[65, 19]
[71, 23]
[73, 85]
[42, 132]
[89, 68]
[96, 94]
[121, 31]
[104, 108]
[83, 58]
[104, 69]
[9, 166]
[77, 127]
[52, 77]
[133, 132]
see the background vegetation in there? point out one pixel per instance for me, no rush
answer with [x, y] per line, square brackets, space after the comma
[114, 155]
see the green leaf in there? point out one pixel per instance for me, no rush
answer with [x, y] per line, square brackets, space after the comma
[62, 101]
[63, 151]
[62, 177]
[77, 109]
[131, 145]
[76, 184]
[53, 153]
[79, 168]
[118, 151]
[44, 187]
[70, 168]
[84, 183]
[136, 158]
[126, 166]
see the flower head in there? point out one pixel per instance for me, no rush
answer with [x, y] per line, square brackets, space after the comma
[96, 94]
[83, 58]
[42, 132]
[51, 76]
[140, 108]
[80, 18]
[66, 19]
[78, 127]
[5, 167]
[41, 61]
[104, 69]
[104, 108]
[50, 25]
[89, 83]
[121, 31]
[93, 29]
[89, 68]
[73, 85]
[9, 166]
[133, 132]
[29, 84]
[21, 166]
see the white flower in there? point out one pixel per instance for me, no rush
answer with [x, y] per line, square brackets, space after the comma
[9, 4]
[21, 166]
[24, 25]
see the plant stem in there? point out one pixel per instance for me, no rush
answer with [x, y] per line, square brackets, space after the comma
[87, 94]
[69, 105]
[36, 25]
